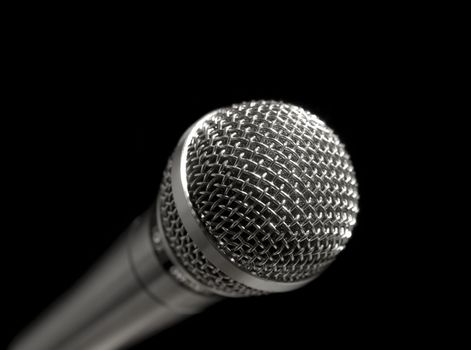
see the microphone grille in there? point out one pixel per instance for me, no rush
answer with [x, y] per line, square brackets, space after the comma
[275, 190]
[186, 251]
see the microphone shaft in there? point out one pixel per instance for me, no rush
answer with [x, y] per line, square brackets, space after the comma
[126, 297]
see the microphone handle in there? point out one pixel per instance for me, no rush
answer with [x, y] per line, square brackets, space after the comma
[129, 295]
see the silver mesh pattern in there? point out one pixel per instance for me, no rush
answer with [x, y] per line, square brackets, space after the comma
[275, 190]
[188, 254]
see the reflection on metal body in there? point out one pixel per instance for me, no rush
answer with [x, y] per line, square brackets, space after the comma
[126, 297]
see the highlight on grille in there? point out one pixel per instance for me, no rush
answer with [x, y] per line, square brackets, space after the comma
[273, 187]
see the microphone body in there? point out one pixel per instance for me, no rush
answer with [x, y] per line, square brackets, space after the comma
[127, 296]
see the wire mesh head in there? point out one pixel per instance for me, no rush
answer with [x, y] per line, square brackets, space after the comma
[274, 189]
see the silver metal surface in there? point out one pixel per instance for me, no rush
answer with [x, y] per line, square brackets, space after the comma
[126, 297]
[196, 229]
[265, 197]
[191, 257]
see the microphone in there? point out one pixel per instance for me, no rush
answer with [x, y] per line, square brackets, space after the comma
[257, 198]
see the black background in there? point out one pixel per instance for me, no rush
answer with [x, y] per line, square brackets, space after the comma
[90, 125]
